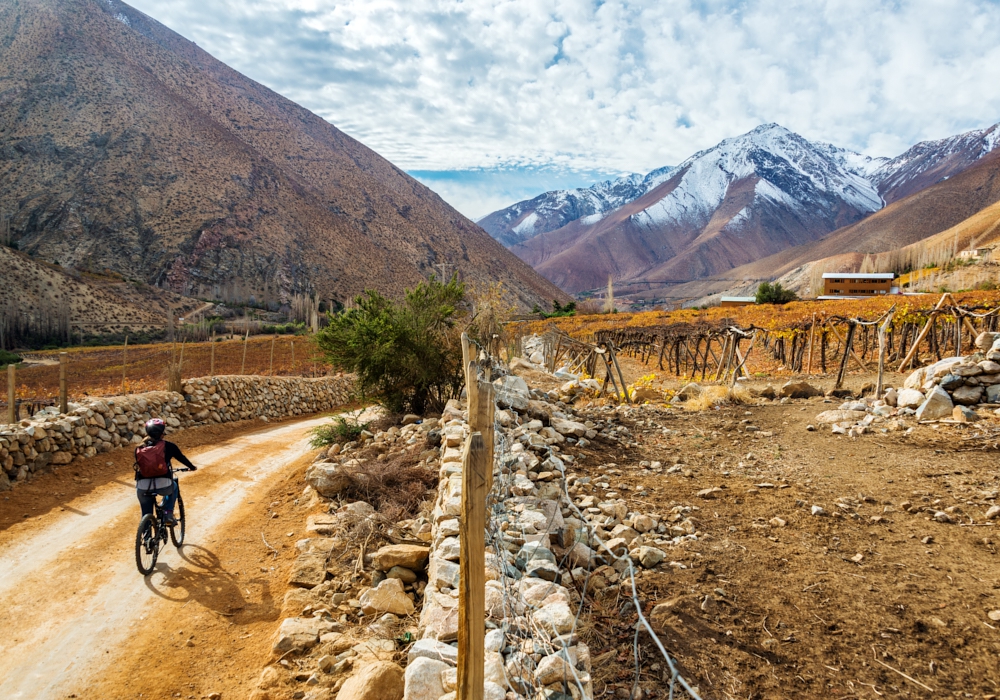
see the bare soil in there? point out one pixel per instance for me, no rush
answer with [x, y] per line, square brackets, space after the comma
[827, 606]
[79, 619]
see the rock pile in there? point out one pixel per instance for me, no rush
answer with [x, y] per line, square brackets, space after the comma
[946, 390]
[95, 426]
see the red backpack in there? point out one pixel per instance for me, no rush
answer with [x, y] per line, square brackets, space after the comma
[151, 460]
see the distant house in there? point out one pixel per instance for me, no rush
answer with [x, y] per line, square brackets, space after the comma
[974, 253]
[857, 284]
[737, 301]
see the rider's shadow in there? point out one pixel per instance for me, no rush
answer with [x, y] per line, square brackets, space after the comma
[203, 579]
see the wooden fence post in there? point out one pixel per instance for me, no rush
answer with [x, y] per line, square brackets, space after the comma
[124, 363]
[847, 354]
[11, 394]
[246, 339]
[477, 463]
[62, 383]
[812, 340]
[881, 353]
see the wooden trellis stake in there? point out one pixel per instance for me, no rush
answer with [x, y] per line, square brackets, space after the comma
[812, 340]
[63, 408]
[11, 394]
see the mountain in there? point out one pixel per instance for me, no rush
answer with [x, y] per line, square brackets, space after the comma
[551, 210]
[907, 221]
[748, 197]
[769, 196]
[929, 162]
[126, 147]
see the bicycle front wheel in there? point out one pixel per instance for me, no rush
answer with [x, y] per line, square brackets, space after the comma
[177, 531]
[147, 545]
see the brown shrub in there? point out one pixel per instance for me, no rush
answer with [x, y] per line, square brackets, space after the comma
[395, 487]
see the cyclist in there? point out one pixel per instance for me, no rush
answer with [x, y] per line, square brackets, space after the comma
[153, 473]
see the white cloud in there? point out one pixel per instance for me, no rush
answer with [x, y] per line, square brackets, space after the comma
[613, 85]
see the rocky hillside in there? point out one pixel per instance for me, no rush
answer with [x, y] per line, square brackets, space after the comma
[126, 147]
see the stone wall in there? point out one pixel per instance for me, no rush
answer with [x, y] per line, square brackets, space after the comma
[99, 425]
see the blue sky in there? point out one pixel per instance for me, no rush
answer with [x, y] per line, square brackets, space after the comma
[490, 101]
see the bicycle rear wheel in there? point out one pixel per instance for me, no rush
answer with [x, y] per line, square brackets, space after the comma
[177, 531]
[147, 545]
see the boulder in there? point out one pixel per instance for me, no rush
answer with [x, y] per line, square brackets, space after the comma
[798, 390]
[568, 427]
[985, 340]
[891, 397]
[309, 569]
[433, 649]
[993, 393]
[553, 669]
[388, 597]
[937, 370]
[964, 414]
[382, 680]
[439, 619]
[329, 480]
[512, 392]
[443, 573]
[950, 382]
[840, 416]
[937, 405]
[299, 633]
[967, 395]
[646, 393]
[909, 398]
[990, 367]
[555, 618]
[408, 556]
[648, 556]
[423, 679]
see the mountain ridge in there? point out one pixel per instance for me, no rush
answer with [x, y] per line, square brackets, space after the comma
[129, 148]
[747, 198]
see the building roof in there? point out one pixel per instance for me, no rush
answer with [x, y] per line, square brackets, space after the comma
[860, 275]
[747, 299]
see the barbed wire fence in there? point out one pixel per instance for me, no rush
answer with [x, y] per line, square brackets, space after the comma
[526, 639]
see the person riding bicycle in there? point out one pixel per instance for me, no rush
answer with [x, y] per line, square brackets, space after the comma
[153, 472]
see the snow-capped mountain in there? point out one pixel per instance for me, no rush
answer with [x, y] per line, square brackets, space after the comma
[932, 161]
[749, 196]
[746, 198]
[551, 210]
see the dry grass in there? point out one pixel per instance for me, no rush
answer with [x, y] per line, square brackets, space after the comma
[395, 487]
[712, 396]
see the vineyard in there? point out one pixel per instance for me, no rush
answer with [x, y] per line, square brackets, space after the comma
[799, 337]
[111, 371]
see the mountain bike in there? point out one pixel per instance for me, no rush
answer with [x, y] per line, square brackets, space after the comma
[152, 533]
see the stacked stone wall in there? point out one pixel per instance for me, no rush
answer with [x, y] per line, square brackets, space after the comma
[99, 425]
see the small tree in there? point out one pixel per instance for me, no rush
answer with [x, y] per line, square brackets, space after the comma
[774, 293]
[407, 354]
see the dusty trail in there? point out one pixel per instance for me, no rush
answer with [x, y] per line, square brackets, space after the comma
[73, 603]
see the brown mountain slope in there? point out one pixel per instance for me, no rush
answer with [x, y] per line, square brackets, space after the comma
[127, 147]
[904, 222]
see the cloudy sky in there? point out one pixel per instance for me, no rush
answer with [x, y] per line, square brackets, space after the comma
[491, 101]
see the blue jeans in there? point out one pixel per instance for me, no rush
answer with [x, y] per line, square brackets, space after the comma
[148, 498]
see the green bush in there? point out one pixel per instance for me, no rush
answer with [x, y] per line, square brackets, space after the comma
[8, 358]
[340, 431]
[558, 310]
[774, 293]
[407, 355]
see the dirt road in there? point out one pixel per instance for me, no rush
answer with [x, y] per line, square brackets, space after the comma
[78, 620]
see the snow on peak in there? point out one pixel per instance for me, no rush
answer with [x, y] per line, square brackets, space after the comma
[790, 170]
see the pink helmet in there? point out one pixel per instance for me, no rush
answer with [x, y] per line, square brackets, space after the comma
[155, 428]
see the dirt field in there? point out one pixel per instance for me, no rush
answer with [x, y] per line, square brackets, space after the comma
[838, 605]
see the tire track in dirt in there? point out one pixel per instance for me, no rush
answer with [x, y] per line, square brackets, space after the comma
[71, 597]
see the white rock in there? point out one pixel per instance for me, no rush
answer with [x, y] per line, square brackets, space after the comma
[937, 405]
[423, 679]
[553, 669]
[648, 556]
[388, 597]
[512, 392]
[495, 640]
[818, 510]
[993, 512]
[433, 649]
[909, 398]
[555, 618]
